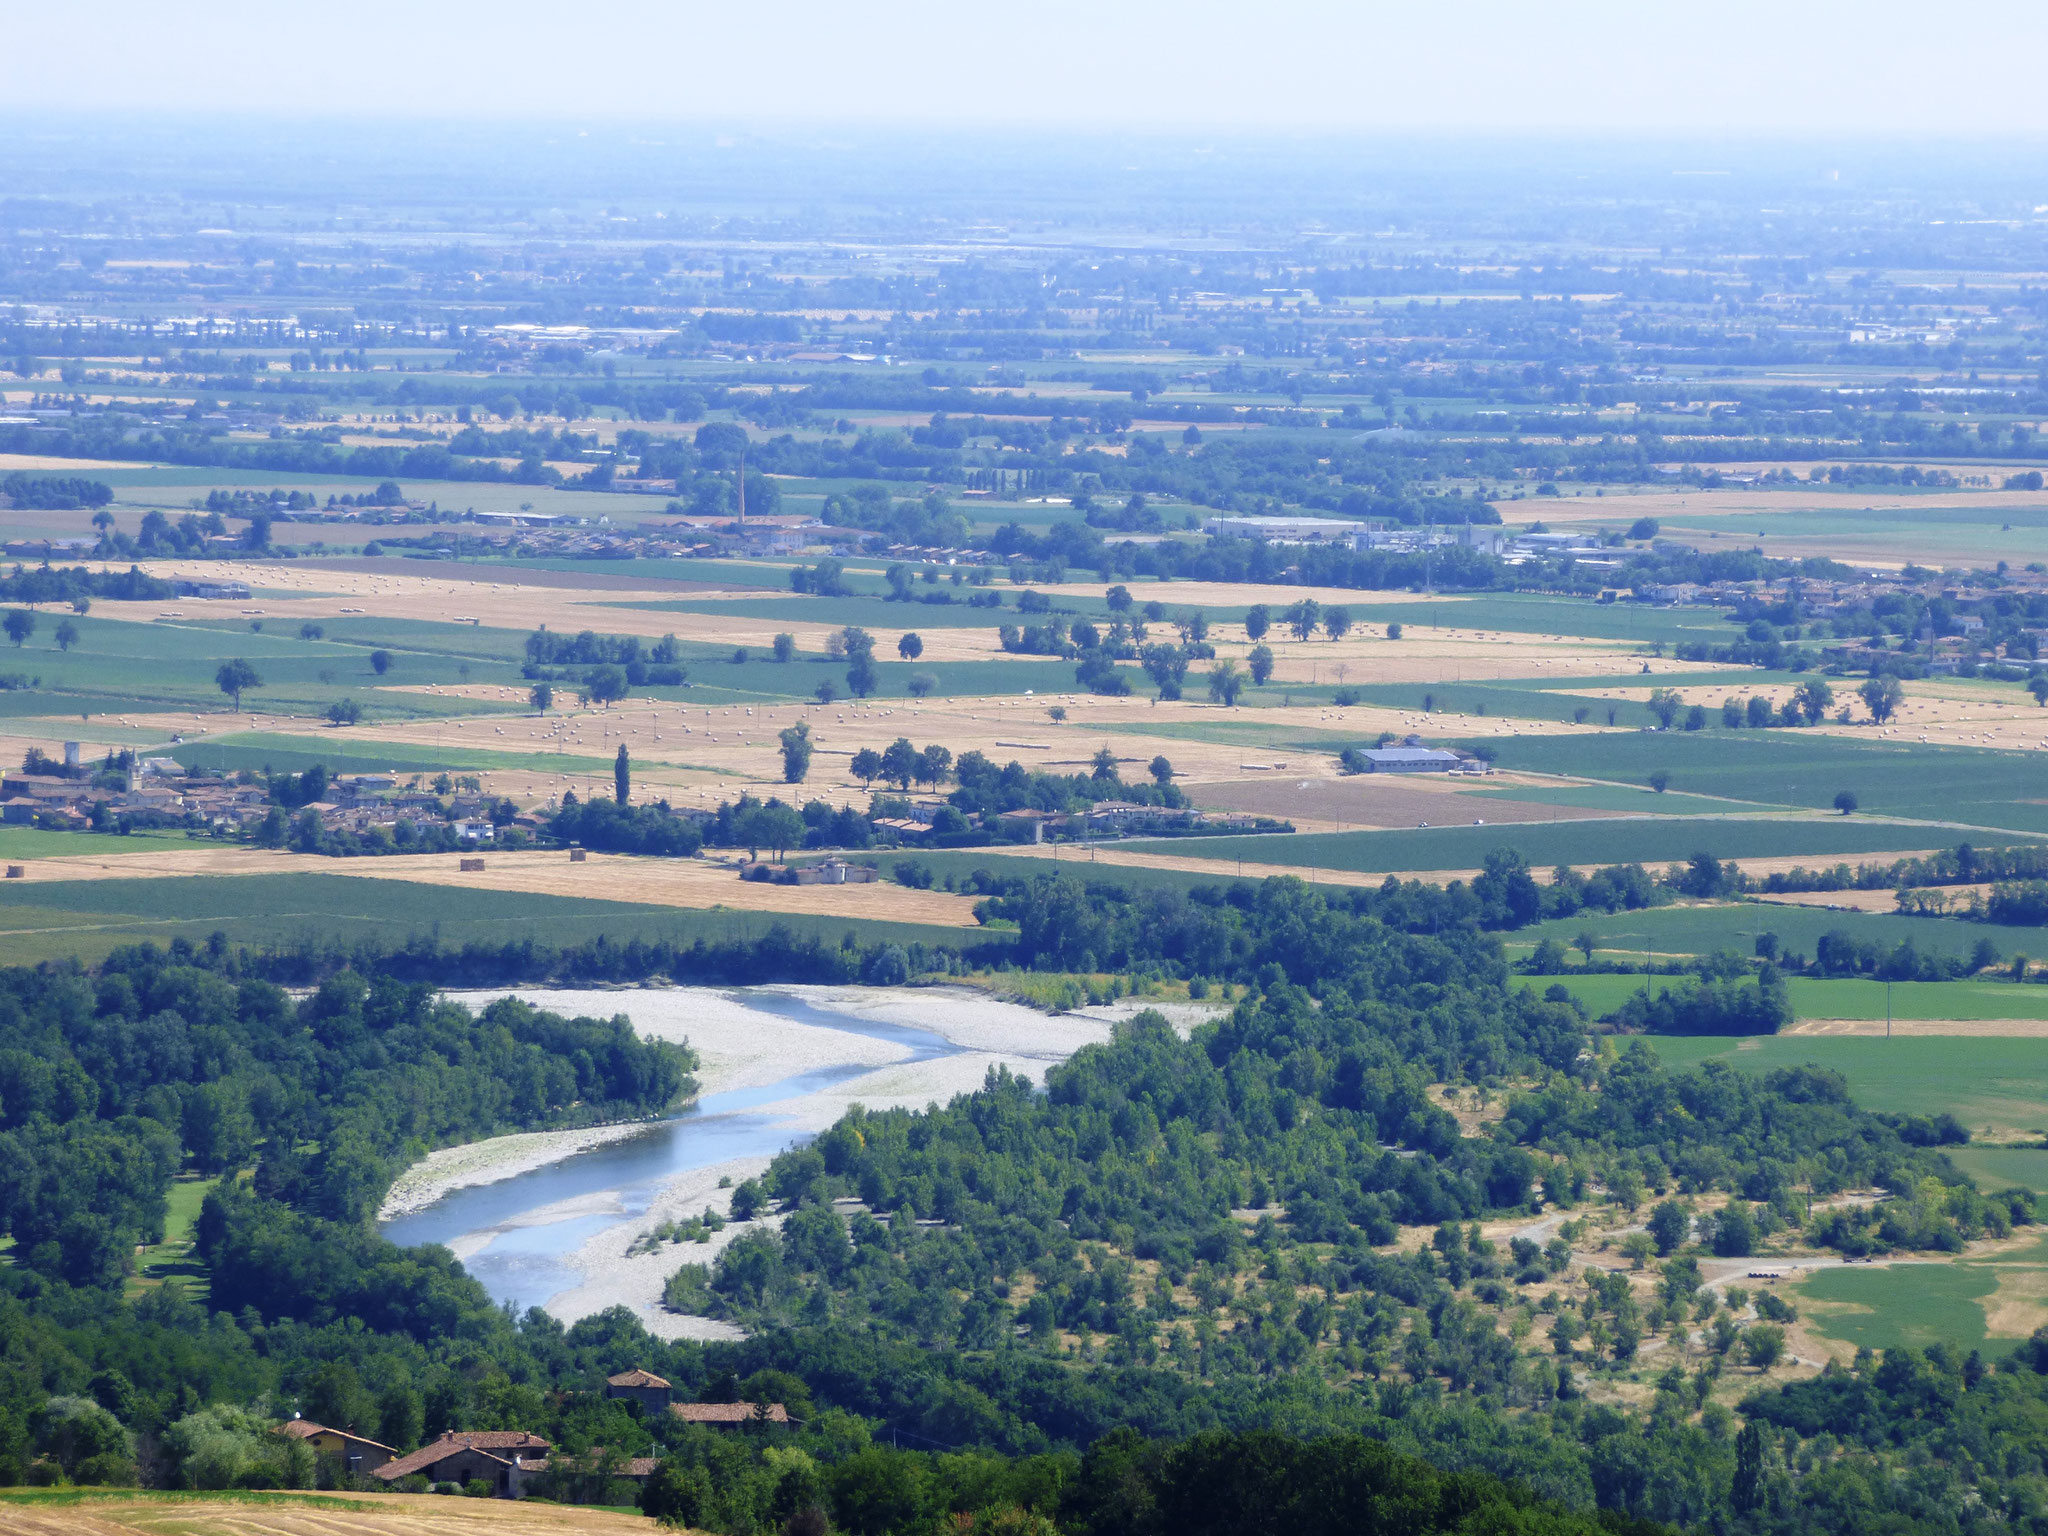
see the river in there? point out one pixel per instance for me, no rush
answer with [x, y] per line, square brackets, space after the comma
[528, 1237]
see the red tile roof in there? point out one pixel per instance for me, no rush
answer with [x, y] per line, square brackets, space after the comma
[635, 1378]
[727, 1413]
[305, 1429]
[489, 1441]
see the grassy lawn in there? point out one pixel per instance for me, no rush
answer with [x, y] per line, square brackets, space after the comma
[173, 1258]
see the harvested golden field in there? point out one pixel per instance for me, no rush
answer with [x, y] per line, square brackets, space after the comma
[126, 1513]
[699, 884]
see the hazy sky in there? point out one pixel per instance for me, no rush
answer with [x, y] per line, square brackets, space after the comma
[1745, 66]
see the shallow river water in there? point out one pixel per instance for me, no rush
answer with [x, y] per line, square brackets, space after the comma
[526, 1257]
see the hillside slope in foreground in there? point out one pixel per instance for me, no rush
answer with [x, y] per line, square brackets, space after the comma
[41, 1512]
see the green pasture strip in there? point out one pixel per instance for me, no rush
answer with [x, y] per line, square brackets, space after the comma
[173, 1259]
[1450, 703]
[1548, 843]
[1252, 734]
[256, 750]
[866, 612]
[19, 843]
[1071, 863]
[118, 666]
[1534, 614]
[1979, 786]
[1614, 797]
[729, 573]
[1830, 997]
[1706, 929]
[86, 919]
[2004, 1167]
[1902, 1306]
[1990, 1082]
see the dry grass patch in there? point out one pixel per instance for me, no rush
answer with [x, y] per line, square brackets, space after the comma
[289, 1514]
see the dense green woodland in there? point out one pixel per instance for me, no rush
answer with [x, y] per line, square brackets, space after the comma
[1161, 1294]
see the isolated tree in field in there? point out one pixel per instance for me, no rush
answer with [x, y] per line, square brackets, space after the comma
[1660, 781]
[1394, 631]
[2037, 685]
[911, 646]
[20, 624]
[1882, 697]
[921, 683]
[1665, 704]
[67, 634]
[622, 776]
[825, 692]
[796, 752]
[1261, 663]
[866, 766]
[1304, 617]
[1336, 622]
[81, 605]
[1102, 767]
[310, 631]
[861, 677]
[1814, 697]
[1845, 802]
[1161, 770]
[785, 647]
[541, 696]
[1257, 620]
[1118, 598]
[1757, 711]
[380, 662]
[899, 762]
[1225, 683]
[344, 712]
[236, 678]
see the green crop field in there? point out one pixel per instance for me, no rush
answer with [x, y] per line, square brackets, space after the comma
[1973, 786]
[18, 843]
[1901, 1305]
[2004, 1167]
[1704, 929]
[1547, 843]
[85, 919]
[1838, 997]
[118, 667]
[257, 750]
[1621, 798]
[1987, 1082]
[866, 612]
